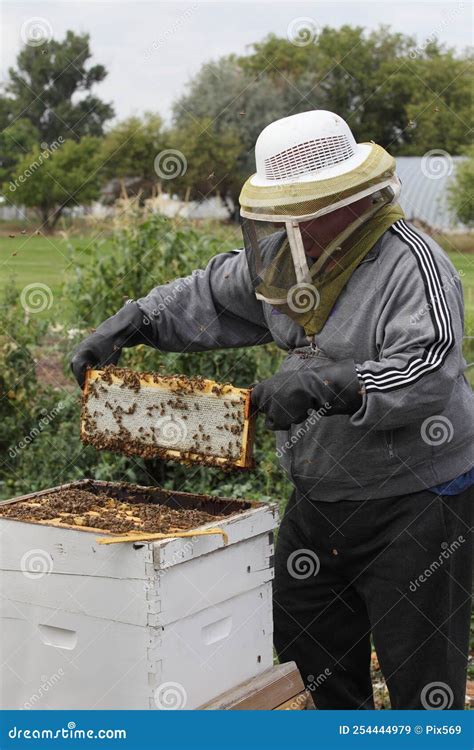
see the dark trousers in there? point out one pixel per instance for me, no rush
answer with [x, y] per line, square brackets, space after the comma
[398, 570]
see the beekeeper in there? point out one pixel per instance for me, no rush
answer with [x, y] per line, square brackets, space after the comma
[372, 412]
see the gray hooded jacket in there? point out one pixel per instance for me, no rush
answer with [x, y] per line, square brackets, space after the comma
[400, 317]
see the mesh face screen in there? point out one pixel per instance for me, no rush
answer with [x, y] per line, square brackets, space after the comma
[183, 419]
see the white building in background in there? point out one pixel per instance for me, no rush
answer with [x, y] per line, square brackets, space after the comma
[11, 213]
[212, 208]
[425, 190]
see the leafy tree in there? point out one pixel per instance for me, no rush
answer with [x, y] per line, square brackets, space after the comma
[51, 86]
[129, 150]
[15, 141]
[461, 197]
[406, 98]
[50, 181]
[440, 106]
[210, 157]
[47, 100]
[5, 111]
[234, 100]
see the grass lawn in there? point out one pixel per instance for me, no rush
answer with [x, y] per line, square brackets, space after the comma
[30, 258]
[40, 259]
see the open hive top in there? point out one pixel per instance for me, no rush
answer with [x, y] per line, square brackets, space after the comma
[119, 509]
[191, 420]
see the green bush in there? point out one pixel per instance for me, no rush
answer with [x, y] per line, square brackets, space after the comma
[461, 192]
[18, 386]
[39, 425]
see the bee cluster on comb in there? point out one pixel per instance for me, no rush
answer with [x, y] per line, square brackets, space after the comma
[174, 417]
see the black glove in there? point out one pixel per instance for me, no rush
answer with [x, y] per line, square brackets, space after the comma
[128, 327]
[287, 397]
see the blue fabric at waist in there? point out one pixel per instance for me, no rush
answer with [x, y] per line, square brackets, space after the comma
[455, 486]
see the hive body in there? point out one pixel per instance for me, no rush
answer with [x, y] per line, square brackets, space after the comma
[141, 626]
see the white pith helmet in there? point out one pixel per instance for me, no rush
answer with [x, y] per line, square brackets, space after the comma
[309, 146]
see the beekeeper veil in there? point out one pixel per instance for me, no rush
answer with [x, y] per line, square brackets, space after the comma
[309, 165]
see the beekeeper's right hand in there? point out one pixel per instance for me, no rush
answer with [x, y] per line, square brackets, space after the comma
[128, 327]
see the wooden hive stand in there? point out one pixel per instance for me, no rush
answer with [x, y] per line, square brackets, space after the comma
[279, 688]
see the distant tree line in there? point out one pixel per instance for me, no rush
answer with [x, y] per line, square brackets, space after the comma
[57, 149]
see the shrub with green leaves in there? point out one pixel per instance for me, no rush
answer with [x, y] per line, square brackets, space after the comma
[17, 368]
[39, 424]
[461, 194]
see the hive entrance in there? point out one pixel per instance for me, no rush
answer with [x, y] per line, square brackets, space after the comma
[191, 420]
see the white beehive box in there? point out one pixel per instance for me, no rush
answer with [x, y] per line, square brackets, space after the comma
[151, 625]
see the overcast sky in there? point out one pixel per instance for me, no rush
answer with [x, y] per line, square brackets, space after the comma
[151, 49]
